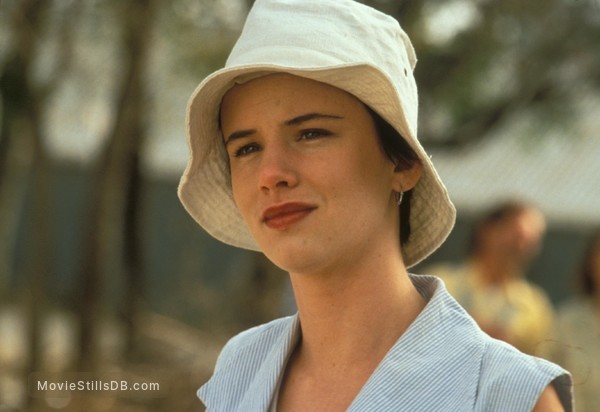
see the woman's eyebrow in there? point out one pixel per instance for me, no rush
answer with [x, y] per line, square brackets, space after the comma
[310, 116]
[292, 122]
[239, 135]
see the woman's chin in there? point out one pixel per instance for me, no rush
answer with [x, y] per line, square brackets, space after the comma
[299, 258]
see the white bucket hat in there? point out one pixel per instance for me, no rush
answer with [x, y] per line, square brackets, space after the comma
[338, 42]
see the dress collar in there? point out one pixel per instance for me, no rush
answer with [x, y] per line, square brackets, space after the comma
[442, 343]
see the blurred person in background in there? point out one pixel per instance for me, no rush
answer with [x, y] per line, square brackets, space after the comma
[579, 331]
[304, 147]
[490, 284]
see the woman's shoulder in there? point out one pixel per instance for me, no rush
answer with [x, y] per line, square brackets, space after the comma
[253, 357]
[510, 377]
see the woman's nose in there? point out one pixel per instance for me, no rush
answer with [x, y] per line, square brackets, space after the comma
[276, 170]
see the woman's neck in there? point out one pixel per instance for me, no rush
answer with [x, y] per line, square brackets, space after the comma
[355, 316]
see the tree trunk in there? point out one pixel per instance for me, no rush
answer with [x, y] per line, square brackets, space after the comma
[114, 207]
[22, 130]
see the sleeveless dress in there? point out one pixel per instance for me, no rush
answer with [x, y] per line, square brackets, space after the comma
[443, 362]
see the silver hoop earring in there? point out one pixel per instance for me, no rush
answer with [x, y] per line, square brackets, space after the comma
[399, 196]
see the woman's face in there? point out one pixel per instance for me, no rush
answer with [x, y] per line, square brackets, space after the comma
[308, 173]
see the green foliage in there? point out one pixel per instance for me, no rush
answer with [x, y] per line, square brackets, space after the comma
[503, 57]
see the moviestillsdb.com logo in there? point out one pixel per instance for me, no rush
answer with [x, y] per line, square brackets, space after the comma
[41, 384]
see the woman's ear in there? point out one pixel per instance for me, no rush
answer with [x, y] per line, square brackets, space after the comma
[405, 178]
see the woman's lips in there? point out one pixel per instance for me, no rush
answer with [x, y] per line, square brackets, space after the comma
[280, 217]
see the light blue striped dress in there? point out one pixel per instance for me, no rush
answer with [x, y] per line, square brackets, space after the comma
[443, 362]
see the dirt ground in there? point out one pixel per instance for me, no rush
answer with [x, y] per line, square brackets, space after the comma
[171, 362]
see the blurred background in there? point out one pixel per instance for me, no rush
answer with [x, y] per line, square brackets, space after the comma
[101, 269]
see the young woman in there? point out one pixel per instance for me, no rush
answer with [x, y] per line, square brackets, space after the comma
[304, 147]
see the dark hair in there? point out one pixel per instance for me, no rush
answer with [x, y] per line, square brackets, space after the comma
[499, 213]
[404, 157]
[586, 272]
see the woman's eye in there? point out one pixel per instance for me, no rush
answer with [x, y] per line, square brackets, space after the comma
[246, 149]
[313, 134]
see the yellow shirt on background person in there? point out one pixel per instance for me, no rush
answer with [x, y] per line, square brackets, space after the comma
[518, 312]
